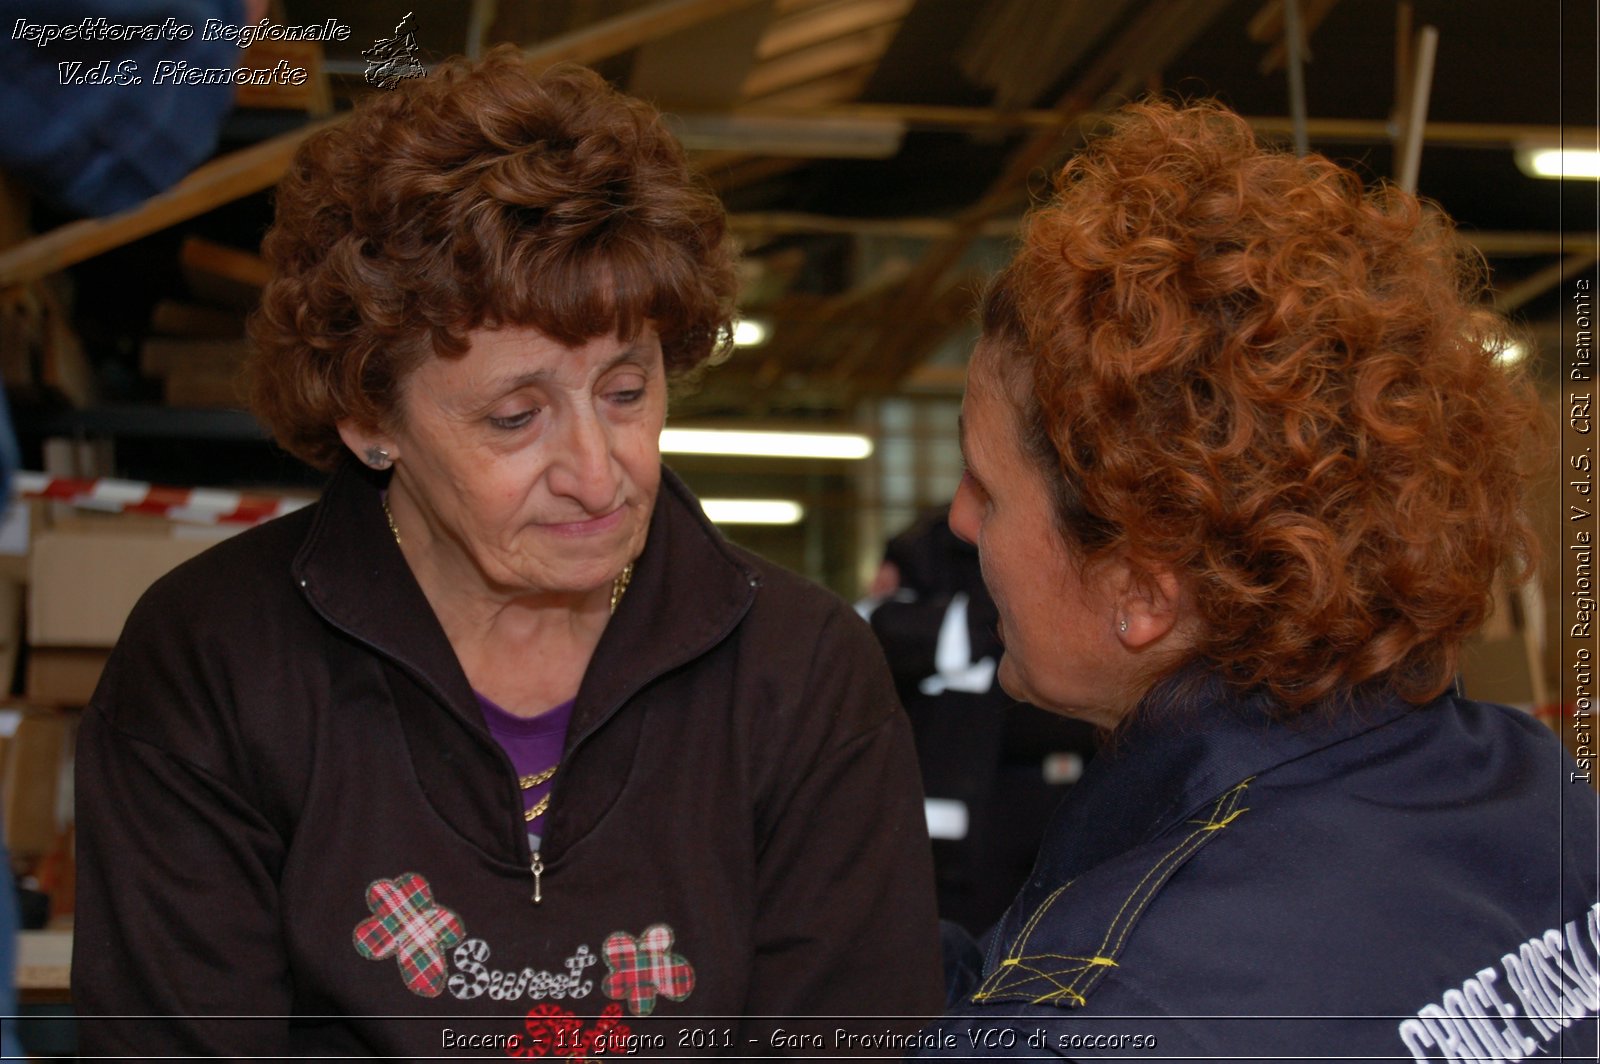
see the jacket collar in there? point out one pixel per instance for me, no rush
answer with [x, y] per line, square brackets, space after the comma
[689, 591]
[353, 573]
[1191, 741]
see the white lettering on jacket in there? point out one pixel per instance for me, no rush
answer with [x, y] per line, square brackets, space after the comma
[473, 979]
[1555, 978]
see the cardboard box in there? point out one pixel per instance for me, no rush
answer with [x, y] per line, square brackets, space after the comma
[64, 676]
[84, 584]
[35, 758]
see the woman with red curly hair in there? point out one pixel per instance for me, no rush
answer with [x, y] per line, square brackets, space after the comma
[500, 745]
[1241, 470]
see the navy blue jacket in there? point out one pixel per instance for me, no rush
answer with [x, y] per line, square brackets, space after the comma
[1396, 882]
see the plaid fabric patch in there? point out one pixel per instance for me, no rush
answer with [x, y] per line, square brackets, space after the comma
[407, 925]
[644, 967]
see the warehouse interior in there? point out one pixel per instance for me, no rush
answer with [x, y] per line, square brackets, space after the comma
[875, 158]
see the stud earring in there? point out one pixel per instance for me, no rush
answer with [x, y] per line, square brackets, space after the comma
[378, 458]
[1123, 627]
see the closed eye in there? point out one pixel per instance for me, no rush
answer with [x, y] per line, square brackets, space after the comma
[515, 421]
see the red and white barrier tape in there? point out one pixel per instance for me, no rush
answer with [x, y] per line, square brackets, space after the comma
[204, 506]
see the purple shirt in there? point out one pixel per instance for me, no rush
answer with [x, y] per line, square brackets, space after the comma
[534, 745]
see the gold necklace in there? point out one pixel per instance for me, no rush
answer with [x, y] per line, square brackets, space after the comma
[528, 783]
[619, 586]
[390, 516]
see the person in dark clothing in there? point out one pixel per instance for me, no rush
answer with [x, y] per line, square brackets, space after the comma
[499, 745]
[993, 768]
[1242, 469]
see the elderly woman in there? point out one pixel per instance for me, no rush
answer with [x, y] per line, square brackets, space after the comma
[1241, 469]
[500, 744]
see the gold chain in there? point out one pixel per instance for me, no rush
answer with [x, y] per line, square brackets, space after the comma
[528, 783]
[390, 516]
[619, 586]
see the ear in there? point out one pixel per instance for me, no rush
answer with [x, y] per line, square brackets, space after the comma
[1149, 603]
[373, 447]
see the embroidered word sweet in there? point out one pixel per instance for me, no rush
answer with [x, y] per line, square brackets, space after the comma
[473, 979]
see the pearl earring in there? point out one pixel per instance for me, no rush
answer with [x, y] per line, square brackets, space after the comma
[378, 458]
[1123, 627]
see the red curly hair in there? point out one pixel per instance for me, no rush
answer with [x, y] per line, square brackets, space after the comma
[484, 195]
[1239, 365]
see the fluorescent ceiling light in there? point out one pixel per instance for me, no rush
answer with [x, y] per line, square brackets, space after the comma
[753, 511]
[1559, 163]
[847, 445]
[1511, 354]
[749, 333]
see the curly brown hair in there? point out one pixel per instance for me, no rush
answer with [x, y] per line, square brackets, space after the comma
[1240, 365]
[487, 194]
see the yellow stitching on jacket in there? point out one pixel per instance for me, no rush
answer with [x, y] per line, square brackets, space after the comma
[1006, 976]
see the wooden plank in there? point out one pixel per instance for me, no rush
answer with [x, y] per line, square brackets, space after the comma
[310, 96]
[810, 64]
[825, 23]
[226, 276]
[617, 35]
[672, 72]
[213, 184]
[830, 89]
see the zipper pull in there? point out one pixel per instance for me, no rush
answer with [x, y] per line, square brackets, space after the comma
[538, 870]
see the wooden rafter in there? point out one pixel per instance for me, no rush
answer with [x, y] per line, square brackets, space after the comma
[1268, 25]
[857, 49]
[1153, 38]
[1540, 282]
[826, 22]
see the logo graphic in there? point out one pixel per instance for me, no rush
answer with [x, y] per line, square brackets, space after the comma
[392, 60]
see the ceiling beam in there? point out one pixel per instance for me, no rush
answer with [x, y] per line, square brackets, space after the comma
[838, 19]
[602, 40]
[1269, 24]
[1341, 130]
[1157, 35]
[220, 181]
[762, 225]
[1541, 281]
[809, 64]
